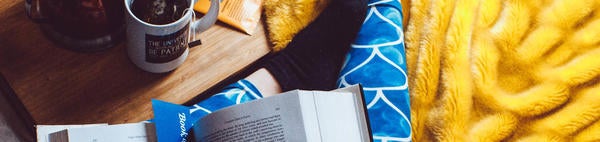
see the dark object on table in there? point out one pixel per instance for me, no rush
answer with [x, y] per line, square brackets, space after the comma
[16, 124]
[80, 25]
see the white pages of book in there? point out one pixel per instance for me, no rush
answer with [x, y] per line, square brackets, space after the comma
[131, 132]
[292, 116]
[43, 131]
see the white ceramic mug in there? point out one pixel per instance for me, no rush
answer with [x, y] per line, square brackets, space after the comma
[162, 48]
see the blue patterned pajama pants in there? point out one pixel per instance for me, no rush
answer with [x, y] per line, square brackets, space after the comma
[376, 60]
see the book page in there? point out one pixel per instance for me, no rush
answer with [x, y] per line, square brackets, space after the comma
[361, 110]
[130, 132]
[276, 118]
[42, 131]
[338, 117]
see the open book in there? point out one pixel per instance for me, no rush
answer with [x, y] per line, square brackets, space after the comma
[338, 115]
[298, 115]
[130, 132]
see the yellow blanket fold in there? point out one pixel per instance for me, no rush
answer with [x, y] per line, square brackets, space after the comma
[504, 70]
[285, 18]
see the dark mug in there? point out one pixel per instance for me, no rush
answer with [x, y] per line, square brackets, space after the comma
[80, 25]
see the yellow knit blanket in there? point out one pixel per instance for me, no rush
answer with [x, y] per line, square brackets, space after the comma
[504, 70]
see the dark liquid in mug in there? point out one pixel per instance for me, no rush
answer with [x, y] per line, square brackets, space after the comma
[159, 12]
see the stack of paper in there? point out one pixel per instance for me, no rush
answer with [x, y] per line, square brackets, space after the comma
[132, 132]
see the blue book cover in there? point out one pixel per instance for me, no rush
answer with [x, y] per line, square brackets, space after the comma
[172, 121]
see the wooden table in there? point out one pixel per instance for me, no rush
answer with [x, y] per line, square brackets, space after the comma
[59, 86]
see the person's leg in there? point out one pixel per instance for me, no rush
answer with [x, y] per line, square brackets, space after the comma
[266, 83]
[239, 92]
[257, 85]
[378, 63]
[311, 61]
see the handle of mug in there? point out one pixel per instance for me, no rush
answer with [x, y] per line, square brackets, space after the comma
[208, 19]
[34, 10]
[202, 24]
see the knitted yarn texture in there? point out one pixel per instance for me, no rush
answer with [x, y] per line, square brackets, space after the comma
[504, 70]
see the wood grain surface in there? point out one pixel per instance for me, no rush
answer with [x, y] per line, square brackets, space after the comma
[59, 86]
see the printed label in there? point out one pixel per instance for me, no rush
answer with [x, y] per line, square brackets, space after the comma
[165, 48]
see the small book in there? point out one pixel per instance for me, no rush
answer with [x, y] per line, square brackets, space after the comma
[43, 131]
[299, 115]
[130, 132]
